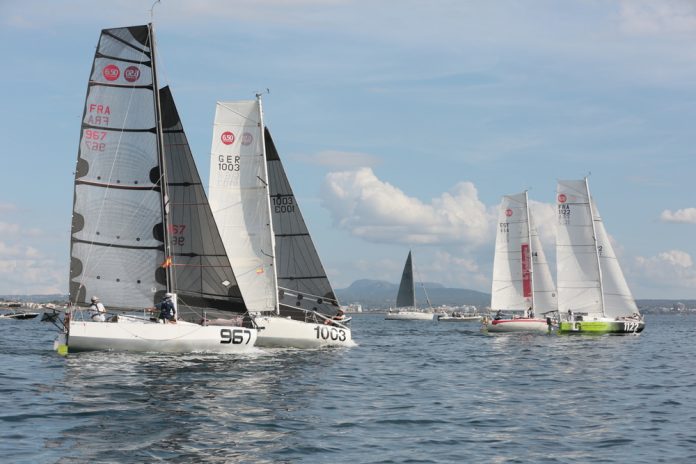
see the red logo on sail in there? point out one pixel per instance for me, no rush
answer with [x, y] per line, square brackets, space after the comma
[508, 212]
[131, 73]
[111, 72]
[562, 198]
[247, 138]
[227, 138]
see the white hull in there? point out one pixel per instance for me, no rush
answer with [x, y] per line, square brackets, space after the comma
[409, 316]
[458, 318]
[281, 332]
[141, 335]
[517, 325]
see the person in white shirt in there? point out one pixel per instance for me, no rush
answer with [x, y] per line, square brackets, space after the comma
[98, 310]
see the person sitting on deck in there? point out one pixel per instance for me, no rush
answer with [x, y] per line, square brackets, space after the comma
[98, 310]
[499, 315]
[166, 308]
[340, 315]
[530, 313]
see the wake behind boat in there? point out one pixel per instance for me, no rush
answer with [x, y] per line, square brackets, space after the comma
[278, 268]
[593, 295]
[522, 283]
[142, 230]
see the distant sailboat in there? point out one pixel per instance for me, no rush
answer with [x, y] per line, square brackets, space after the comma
[406, 298]
[522, 285]
[278, 268]
[141, 223]
[593, 296]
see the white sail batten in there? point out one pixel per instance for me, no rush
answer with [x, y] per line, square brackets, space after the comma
[239, 199]
[579, 287]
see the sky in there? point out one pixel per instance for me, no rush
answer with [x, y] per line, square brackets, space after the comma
[400, 123]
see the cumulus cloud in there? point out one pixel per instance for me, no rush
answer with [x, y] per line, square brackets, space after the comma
[340, 159]
[379, 212]
[684, 216]
[673, 268]
[25, 269]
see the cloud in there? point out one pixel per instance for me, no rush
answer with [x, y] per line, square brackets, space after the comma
[379, 212]
[648, 17]
[683, 216]
[340, 159]
[26, 270]
[673, 268]
[8, 229]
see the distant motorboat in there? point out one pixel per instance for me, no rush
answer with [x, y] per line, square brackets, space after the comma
[19, 315]
[458, 316]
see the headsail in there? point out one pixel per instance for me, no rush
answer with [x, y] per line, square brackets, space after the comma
[201, 271]
[407, 289]
[618, 299]
[240, 201]
[117, 238]
[302, 281]
[545, 296]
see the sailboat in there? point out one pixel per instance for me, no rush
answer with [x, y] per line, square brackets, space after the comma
[278, 268]
[593, 296]
[522, 286]
[406, 309]
[141, 225]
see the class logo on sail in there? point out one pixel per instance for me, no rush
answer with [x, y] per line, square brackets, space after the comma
[131, 73]
[562, 198]
[508, 212]
[111, 72]
[227, 138]
[247, 138]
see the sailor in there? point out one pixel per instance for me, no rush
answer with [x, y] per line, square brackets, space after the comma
[570, 315]
[166, 308]
[530, 313]
[340, 315]
[98, 310]
[499, 315]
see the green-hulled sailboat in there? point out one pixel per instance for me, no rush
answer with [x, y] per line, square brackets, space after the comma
[593, 296]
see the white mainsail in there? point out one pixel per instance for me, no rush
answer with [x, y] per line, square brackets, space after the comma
[239, 198]
[521, 278]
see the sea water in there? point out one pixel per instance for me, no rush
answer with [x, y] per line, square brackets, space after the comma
[412, 391]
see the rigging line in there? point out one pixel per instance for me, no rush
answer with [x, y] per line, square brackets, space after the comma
[113, 163]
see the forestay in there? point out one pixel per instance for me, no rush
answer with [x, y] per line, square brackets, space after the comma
[302, 280]
[117, 233]
[200, 269]
[240, 201]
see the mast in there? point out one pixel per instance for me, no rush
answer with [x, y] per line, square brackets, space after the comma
[268, 201]
[164, 188]
[594, 236]
[531, 249]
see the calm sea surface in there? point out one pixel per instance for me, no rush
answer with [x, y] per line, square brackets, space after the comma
[414, 392]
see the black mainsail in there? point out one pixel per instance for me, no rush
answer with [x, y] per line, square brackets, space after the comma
[302, 281]
[141, 222]
[407, 290]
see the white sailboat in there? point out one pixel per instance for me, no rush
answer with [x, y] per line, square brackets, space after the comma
[141, 224]
[406, 309]
[265, 236]
[593, 296]
[522, 288]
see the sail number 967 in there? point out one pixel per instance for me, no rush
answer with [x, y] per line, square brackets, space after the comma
[235, 336]
[325, 333]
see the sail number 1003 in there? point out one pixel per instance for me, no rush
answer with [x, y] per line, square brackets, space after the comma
[325, 333]
[235, 336]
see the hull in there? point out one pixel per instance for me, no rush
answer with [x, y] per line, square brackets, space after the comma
[601, 327]
[517, 325]
[20, 316]
[458, 318]
[280, 332]
[409, 316]
[141, 335]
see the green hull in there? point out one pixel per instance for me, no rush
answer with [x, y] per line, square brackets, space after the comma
[601, 327]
